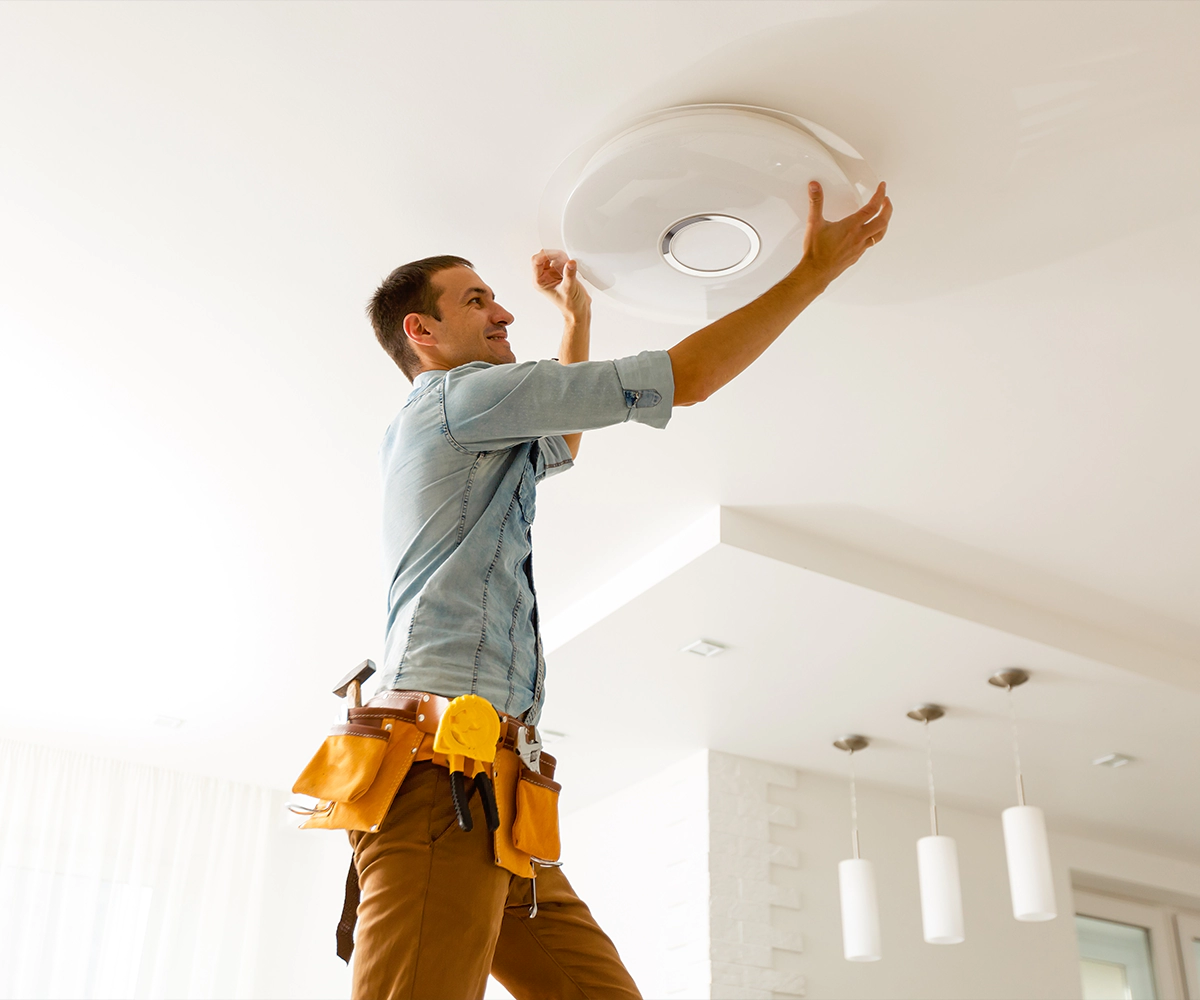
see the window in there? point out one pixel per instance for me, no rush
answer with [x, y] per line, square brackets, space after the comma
[1187, 926]
[104, 920]
[1136, 950]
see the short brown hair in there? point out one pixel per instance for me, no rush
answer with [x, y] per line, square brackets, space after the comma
[408, 289]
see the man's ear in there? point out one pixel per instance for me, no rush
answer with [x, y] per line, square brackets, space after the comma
[415, 330]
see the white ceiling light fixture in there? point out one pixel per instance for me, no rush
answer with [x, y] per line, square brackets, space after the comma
[937, 858]
[1026, 846]
[1113, 760]
[688, 213]
[856, 879]
[710, 246]
[702, 647]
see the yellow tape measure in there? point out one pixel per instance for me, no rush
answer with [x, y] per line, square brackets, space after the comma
[469, 730]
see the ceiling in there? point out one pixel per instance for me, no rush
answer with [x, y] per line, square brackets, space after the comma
[197, 200]
[823, 640]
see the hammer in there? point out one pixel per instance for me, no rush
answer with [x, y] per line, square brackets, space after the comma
[350, 686]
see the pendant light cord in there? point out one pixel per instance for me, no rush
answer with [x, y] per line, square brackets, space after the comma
[933, 821]
[853, 810]
[1012, 715]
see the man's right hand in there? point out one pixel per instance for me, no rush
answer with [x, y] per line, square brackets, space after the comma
[710, 357]
[831, 247]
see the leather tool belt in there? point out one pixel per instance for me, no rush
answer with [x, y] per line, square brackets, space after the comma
[359, 768]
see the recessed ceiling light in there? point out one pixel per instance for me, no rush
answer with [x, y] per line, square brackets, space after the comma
[168, 721]
[702, 647]
[1113, 760]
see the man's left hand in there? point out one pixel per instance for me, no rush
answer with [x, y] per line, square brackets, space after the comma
[555, 275]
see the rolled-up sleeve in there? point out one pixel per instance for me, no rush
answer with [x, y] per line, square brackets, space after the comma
[553, 457]
[497, 406]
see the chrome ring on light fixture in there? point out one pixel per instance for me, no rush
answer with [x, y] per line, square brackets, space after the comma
[668, 237]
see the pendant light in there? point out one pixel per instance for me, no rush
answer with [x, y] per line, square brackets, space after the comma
[856, 879]
[937, 859]
[1030, 877]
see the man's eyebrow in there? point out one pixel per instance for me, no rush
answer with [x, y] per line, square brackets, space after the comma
[474, 291]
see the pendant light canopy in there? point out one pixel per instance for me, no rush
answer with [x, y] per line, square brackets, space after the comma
[1030, 876]
[856, 881]
[937, 859]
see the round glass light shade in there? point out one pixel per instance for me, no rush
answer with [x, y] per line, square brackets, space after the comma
[692, 212]
[941, 890]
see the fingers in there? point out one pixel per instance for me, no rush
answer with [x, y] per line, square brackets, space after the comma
[555, 258]
[545, 275]
[872, 207]
[548, 260]
[877, 227]
[816, 203]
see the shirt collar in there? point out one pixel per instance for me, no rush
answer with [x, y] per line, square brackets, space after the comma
[430, 376]
[425, 378]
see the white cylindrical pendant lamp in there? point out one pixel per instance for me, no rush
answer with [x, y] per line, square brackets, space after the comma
[941, 891]
[1029, 875]
[860, 911]
[937, 858]
[856, 880]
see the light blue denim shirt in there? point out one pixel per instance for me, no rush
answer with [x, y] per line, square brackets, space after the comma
[461, 463]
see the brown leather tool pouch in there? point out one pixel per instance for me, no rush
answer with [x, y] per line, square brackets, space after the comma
[535, 827]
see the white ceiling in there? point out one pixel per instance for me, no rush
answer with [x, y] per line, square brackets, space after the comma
[814, 652]
[196, 201]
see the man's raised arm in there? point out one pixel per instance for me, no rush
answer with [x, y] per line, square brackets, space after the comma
[714, 355]
[556, 276]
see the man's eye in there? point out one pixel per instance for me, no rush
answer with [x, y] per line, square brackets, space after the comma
[476, 299]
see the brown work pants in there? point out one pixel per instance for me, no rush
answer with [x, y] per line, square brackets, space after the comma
[437, 914]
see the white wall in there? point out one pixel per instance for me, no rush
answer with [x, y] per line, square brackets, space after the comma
[639, 859]
[633, 858]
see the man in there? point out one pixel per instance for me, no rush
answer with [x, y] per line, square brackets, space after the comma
[461, 463]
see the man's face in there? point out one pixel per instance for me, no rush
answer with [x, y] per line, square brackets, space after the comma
[473, 327]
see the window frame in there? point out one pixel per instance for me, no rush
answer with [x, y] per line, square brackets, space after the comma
[1187, 930]
[1164, 938]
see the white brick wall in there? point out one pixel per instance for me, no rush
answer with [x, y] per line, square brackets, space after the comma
[754, 891]
[702, 894]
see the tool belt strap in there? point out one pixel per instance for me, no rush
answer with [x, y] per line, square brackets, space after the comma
[425, 711]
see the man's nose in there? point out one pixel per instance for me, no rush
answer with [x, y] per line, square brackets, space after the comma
[501, 316]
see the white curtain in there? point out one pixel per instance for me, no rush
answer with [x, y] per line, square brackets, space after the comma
[123, 880]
